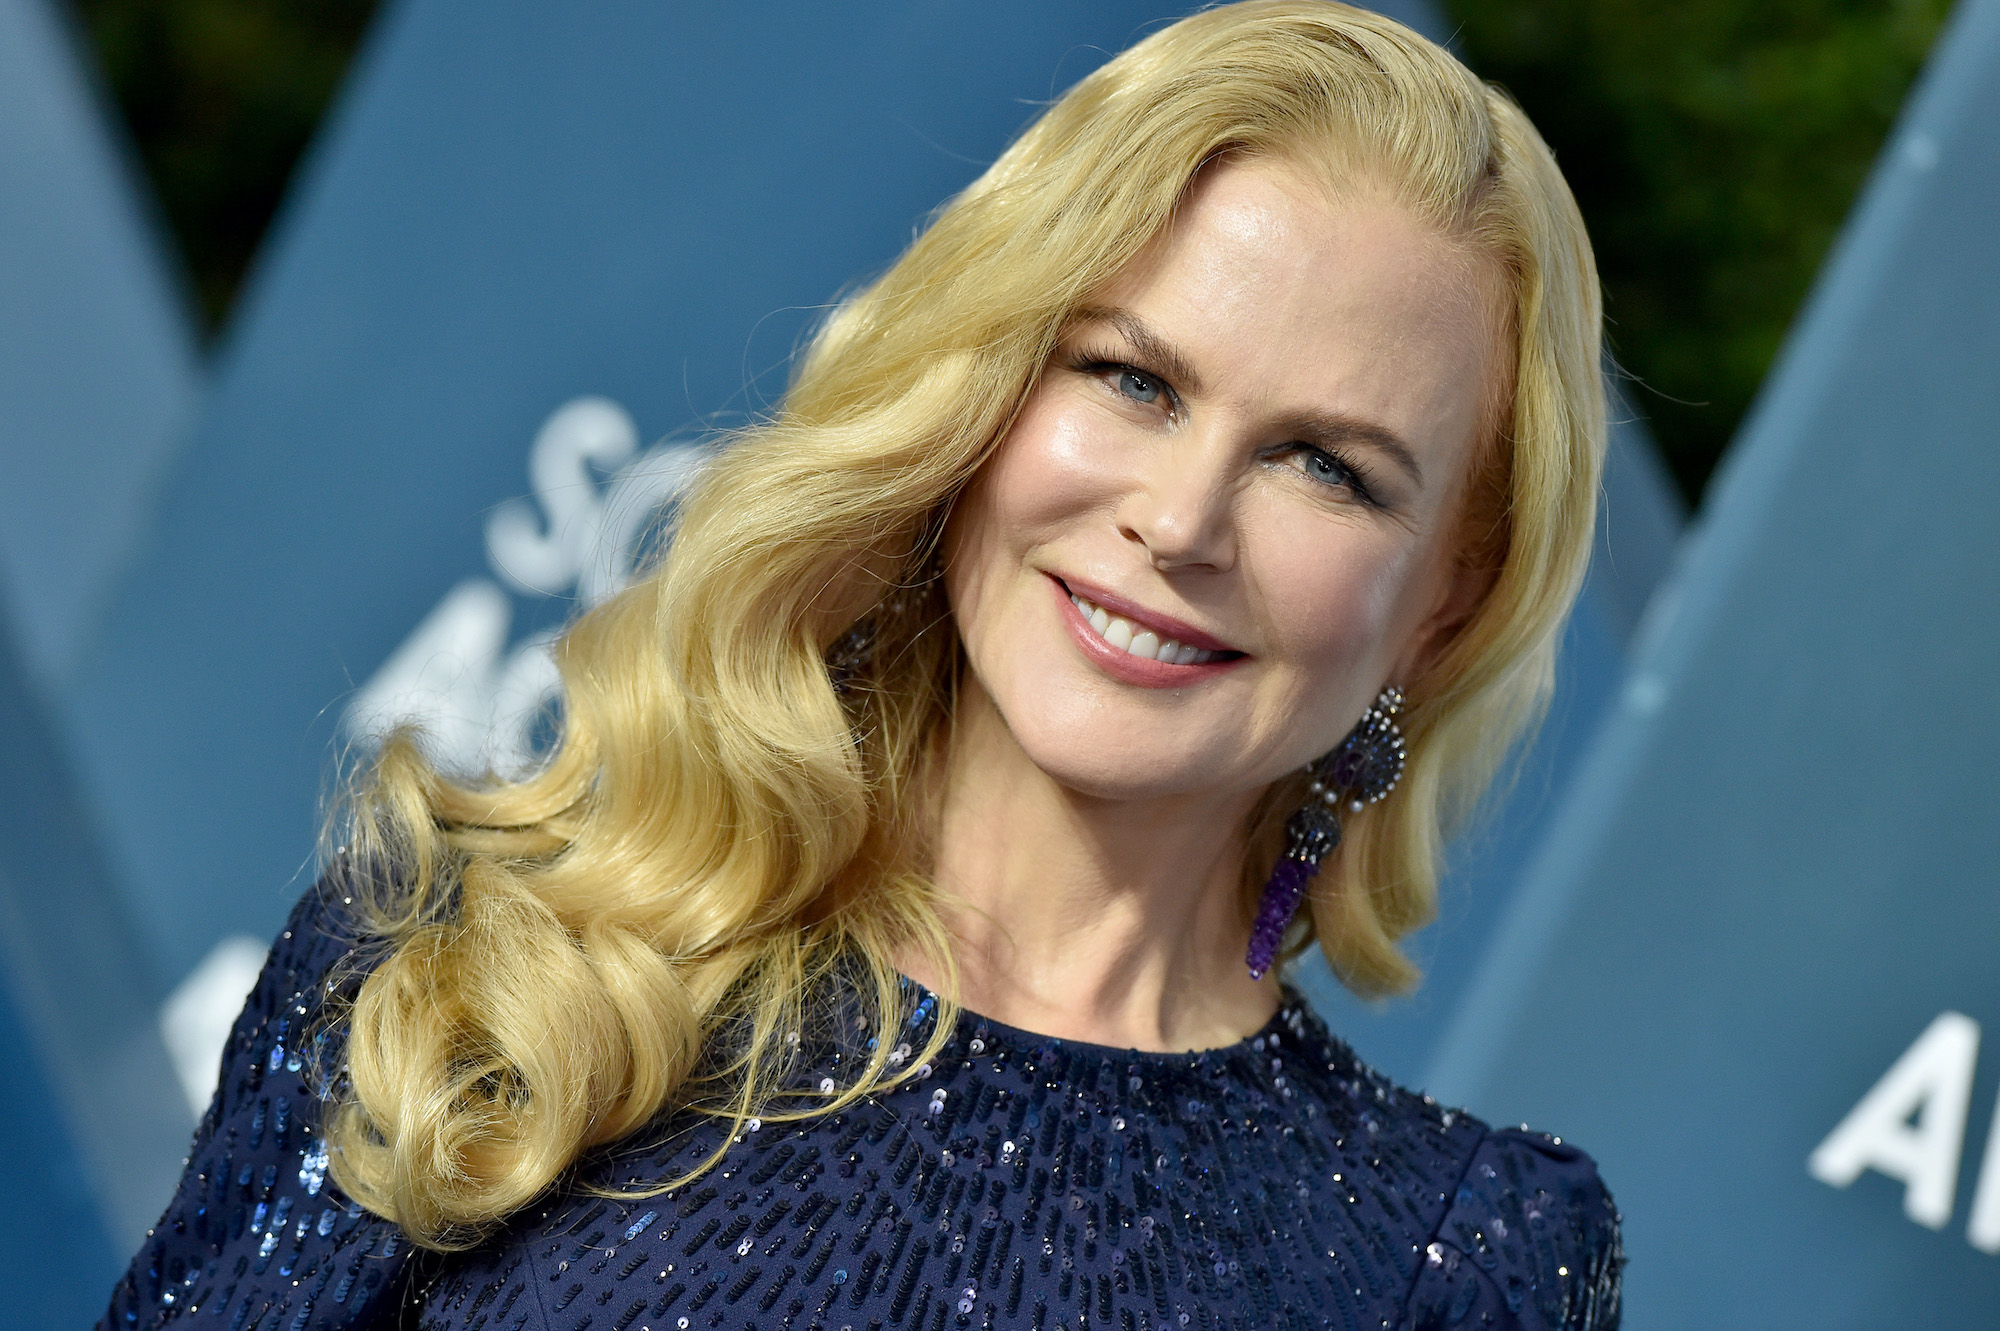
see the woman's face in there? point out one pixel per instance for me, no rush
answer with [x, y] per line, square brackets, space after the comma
[1223, 519]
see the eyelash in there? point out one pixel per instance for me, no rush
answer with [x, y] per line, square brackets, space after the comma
[1351, 473]
[1099, 364]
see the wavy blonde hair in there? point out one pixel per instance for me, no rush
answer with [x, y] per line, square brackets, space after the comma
[640, 923]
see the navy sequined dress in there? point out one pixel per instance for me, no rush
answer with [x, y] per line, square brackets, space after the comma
[1017, 1181]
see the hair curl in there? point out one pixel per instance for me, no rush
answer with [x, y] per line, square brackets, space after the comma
[717, 830]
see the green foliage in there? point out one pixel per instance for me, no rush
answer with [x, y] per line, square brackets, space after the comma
[1715, 147]
[221, 97]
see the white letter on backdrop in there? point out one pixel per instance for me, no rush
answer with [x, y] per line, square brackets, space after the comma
[1932, 1081]
[1984, 1230]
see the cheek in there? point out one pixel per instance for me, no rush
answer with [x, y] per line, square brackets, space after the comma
[1335, 601]
[1048, 472]
[1050, 467]
[1015, 496]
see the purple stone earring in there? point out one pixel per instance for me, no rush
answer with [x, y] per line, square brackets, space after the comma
[1361, 770]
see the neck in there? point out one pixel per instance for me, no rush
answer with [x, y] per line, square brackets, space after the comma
[1112, 921]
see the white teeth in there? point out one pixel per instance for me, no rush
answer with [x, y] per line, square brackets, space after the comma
[1143, 643]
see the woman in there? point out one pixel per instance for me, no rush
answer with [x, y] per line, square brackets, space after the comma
[1136, 577]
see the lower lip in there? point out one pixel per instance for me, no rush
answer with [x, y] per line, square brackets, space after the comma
[1125, 666]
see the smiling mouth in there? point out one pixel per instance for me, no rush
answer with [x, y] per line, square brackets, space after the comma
[1143, 643]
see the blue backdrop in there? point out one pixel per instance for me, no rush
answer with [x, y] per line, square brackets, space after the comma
[97, 381]
[1718, 930]
[1749, 964]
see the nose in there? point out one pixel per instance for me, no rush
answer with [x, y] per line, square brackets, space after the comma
[1180, 507]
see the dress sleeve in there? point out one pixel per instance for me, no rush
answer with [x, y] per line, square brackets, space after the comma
[257, 1234]
[1529, 1243]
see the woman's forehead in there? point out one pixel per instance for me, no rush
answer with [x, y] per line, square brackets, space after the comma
[1266, 285]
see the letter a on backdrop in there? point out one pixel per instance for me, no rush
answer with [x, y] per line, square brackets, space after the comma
[1931, 1082]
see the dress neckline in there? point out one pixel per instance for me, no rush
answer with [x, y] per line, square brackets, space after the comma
[976, 1026]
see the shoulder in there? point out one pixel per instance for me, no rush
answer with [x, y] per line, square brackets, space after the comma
[315, 951]
[1530, 1239]
[1511, 1228]
[289, 1016]
[1407, 1142]
[256, 1229]
[286, 1038]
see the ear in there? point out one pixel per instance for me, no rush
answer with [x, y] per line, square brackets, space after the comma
[1459, 590]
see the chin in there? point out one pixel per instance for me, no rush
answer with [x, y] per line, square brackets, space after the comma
[1095, 757]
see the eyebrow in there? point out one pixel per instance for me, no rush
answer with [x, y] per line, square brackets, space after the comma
[1164, 356]
[1324, 429]
[1319, 428]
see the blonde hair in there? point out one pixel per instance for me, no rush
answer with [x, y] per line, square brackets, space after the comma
[640, 923]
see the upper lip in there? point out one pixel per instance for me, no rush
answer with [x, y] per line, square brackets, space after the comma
[1166, 626]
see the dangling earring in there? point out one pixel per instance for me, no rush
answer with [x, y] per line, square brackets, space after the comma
[1361, 769]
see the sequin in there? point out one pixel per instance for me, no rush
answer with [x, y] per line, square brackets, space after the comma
[1016, 1180]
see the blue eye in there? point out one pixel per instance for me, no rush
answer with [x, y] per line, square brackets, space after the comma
[1323, 467]
[1139, 387]
[1330, 469]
